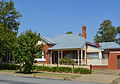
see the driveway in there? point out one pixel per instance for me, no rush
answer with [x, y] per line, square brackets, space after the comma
[7, 79]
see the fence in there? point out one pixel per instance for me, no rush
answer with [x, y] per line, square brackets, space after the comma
[59, 65]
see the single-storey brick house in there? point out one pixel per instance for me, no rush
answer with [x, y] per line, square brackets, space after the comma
[105, 55]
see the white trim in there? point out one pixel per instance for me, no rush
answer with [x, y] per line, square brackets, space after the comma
[115, 52]
[100, 55]
[78, 56]
[40, 43]
[40, 59]
[51, 57]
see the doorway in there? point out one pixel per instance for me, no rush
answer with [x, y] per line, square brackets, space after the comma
[118, 61]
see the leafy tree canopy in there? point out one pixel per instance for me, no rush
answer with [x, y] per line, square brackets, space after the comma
[26, 50]
[70, 32]
[118, 35]
[7, 40]
[9, 16]
[9, 26]
[118, 29]
[106, 32]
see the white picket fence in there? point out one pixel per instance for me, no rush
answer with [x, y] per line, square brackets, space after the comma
[58, 65]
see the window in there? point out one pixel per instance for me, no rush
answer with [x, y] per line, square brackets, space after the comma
[104, 55]
[69, 55]
[40, 53]
[93, 55]
[73, 54]
[83, 52]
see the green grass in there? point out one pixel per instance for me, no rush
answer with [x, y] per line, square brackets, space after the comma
[53, 75]
[8, 70]
[58, 75]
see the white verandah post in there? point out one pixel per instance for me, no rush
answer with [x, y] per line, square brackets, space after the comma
[51, 57]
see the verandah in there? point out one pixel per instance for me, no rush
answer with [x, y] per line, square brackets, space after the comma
[78, 55]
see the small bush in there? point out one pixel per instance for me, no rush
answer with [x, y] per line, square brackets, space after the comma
[65, 69]
[43, 68]
[82, 70]
[54, 69]
[9, 66]
[66, 61]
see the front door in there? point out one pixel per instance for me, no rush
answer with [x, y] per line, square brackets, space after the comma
[118, 60]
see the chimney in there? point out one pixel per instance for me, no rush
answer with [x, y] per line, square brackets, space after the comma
[84, 32]
[97, 45]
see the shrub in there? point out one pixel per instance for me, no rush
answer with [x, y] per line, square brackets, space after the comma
[63, 69]
[82, 70]
[66, 61]
[54, 69]
[43, 68]
[9, 66]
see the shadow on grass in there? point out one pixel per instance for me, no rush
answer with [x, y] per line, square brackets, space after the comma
[33, 72]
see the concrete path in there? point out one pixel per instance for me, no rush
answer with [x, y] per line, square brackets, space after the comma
[101, 78]
[7, 79]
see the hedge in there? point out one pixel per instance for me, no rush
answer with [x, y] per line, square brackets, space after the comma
[49, 69]
[63, 69]
[82, 70]
[9, 66]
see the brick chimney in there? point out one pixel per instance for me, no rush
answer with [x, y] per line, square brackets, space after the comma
[84, 32]
[97, 45]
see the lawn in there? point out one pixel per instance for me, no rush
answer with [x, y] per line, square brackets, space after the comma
[51, 75]
[8, 71]
[55, 75]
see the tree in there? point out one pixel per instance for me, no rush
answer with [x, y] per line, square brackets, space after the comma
[9, 16]
[69, 32]
[7, 40]
[26, 50]
[106, 32]
[9, 26]
[118, 35]
[118, 29]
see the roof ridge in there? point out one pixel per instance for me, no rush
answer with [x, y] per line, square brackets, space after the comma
[43, 37]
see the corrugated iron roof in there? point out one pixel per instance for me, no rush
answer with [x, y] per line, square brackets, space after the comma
[109, 45]
[75, 41]
[48, 40]
[69, 41]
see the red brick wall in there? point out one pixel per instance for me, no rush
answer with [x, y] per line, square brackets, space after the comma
[99, 67]
[84, 32]
[46, 54]
[112, 61]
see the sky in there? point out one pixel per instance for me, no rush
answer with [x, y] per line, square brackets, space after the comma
[54, 17]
